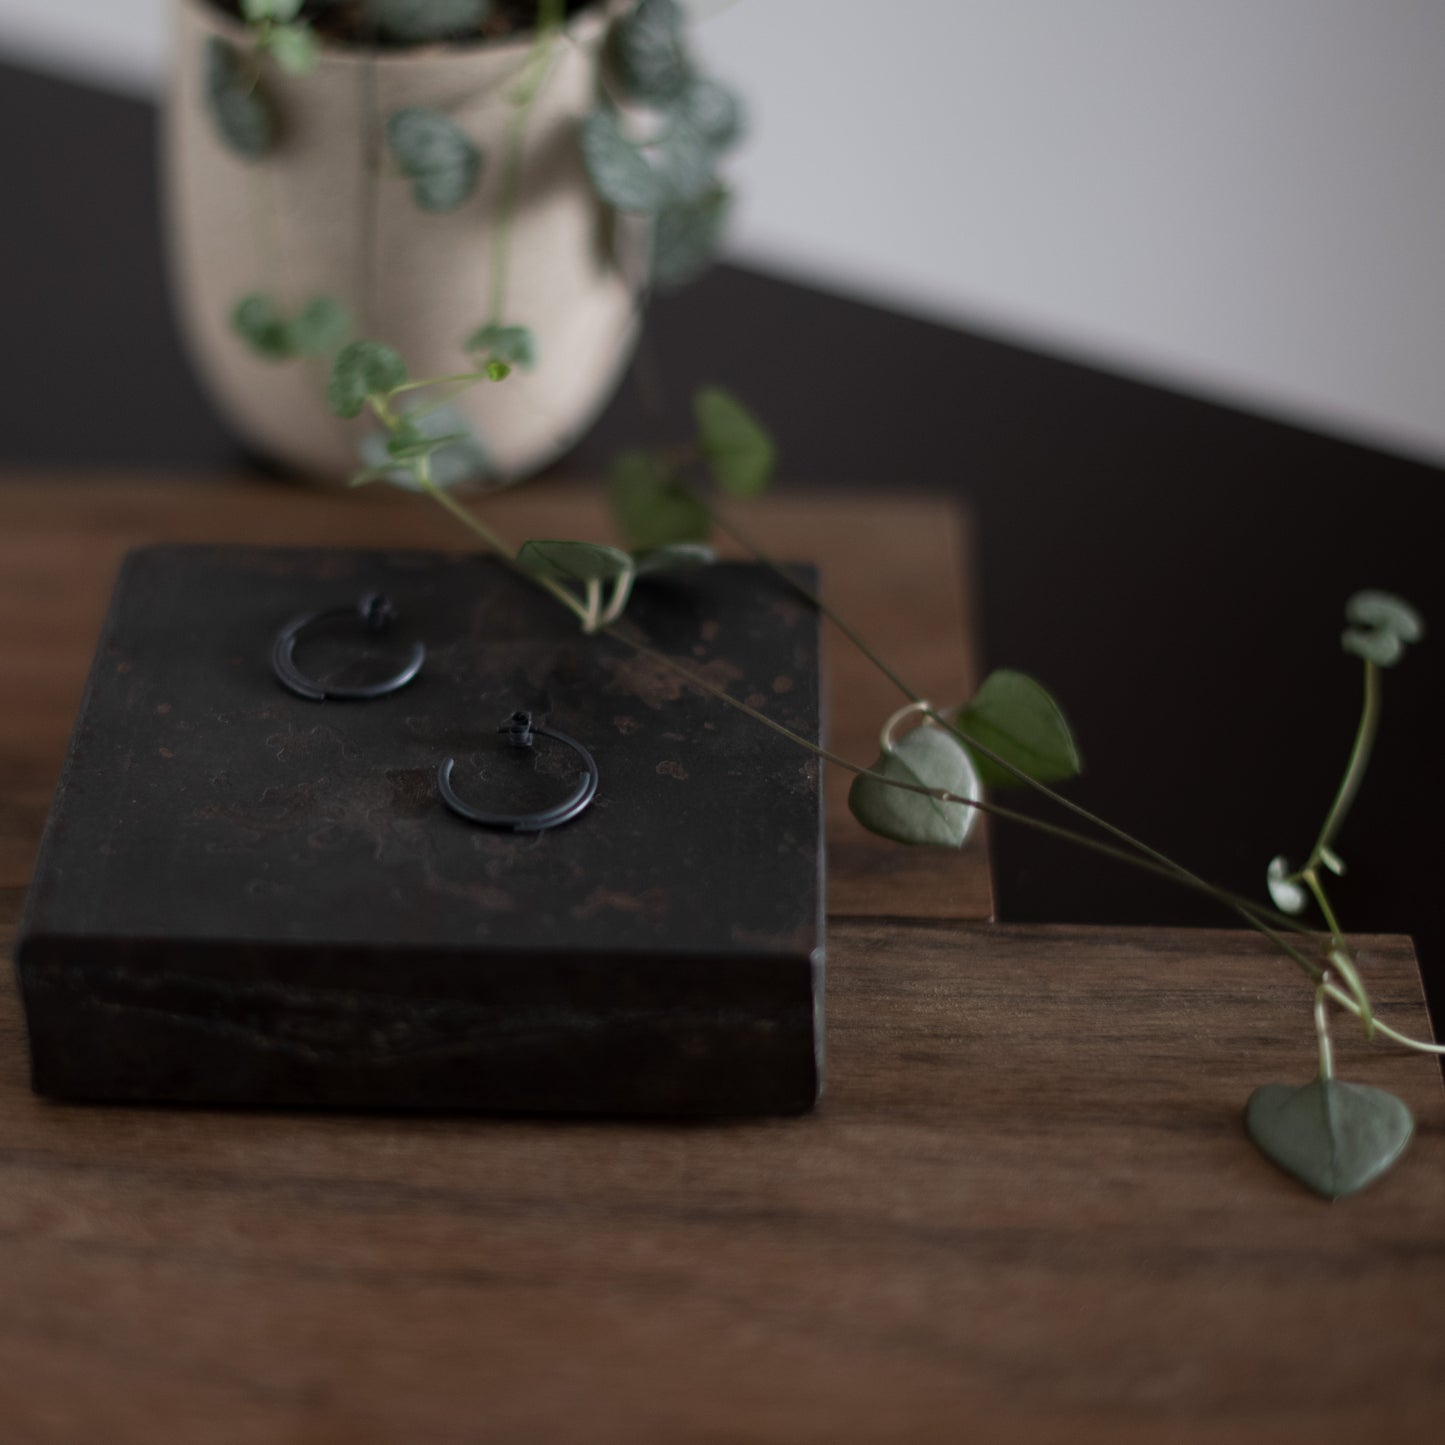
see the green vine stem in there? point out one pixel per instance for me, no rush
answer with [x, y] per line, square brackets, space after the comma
[466, 378]
[604, 624]
[581, 611]
[1257, 916]
[495, 544]
[1354, 774]
[726, 526]
[1323, 854]
[1322, 1029]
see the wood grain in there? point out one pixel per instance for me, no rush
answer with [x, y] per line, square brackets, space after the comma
[1025, 1211]
[895, 567]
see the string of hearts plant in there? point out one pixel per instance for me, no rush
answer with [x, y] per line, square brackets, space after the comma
[926, 786]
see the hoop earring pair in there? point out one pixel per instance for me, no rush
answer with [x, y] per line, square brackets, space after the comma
[377, 614]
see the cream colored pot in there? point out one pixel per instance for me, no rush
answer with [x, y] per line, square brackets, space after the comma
[294, 225]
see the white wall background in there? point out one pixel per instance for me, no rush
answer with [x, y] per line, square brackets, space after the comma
[1242, 197]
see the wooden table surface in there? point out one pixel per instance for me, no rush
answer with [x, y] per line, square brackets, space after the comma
[1025, 1209]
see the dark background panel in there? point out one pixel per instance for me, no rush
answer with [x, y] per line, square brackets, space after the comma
[1172, 569]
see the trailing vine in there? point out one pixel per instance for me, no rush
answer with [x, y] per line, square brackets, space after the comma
[927, 784]
[651, 147]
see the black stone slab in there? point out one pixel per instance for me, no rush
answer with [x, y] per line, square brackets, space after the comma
[247, 898]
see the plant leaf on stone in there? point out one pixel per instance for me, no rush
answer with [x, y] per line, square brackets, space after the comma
[363, 369]
[416, 21]
[511, 345]
[650, 509]
[674, 557]
[440, 160]
[1332, 1136]
[933, 757]
[1382, 626]
[239, 105]
[647, 52]
[620, 172]
[684, 238]
[574, 561]
[739, 450]
[1015, 717]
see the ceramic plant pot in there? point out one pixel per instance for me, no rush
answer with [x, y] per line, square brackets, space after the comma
[293, 225]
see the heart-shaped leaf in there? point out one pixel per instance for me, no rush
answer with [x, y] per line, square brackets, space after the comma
[650, 508]
[741, 453]
[1015, 717]
[1334, 1137]
[240, 106]
[321, 328]
[511, 345]
[574, 561]
[1383, 625]
[714, 111]
[421, 20]
[685, 238]
[621, 173]
[646, 48]
[673, 558]
[261, 324]
[439, 158]
[934, 757]
[365, 368]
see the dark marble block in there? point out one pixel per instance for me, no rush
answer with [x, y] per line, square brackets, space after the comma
[247, 898]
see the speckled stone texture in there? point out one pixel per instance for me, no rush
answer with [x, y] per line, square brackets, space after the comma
[247, 898]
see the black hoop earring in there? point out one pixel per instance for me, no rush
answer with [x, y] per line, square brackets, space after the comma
[520, 734]
[377, 613]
